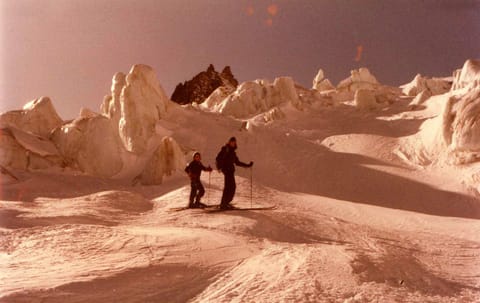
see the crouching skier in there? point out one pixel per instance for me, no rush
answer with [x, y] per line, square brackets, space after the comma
[194, 170]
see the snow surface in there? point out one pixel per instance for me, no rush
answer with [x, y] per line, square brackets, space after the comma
[373, 204]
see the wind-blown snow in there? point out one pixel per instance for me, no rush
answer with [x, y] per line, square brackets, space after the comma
[372, 204]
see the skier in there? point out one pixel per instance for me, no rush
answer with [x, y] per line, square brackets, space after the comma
[226, 161]
[194, 170]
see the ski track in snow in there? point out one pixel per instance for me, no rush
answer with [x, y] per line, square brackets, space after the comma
[341, 233]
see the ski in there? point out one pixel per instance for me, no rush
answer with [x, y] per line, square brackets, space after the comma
[186, 207]
[217, 209]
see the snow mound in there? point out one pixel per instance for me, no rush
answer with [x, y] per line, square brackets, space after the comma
[467, 76]
[105, 205]
[435, 86]
[38, 117]
[256, 280]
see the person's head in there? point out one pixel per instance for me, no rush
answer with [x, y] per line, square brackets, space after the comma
[232, 142]
[197, 156]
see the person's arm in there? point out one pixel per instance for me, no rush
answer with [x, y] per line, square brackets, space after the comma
[209, 168]
[240, 163]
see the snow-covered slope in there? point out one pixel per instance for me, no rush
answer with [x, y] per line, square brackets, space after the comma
[370, 205]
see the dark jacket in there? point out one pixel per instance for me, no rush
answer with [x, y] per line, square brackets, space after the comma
[230, 159]
[194, 169]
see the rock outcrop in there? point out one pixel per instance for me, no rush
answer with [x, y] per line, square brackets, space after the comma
[202, 85]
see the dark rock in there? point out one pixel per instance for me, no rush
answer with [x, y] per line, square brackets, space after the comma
[202, 85]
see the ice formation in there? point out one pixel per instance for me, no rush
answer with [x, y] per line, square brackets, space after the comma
[365, 99]
[452, 135]
[24, 150]
[129, 139]
[91, 145]
[164, 161]
[435, 86]
[421, 98]
[361, 78]
[467, 76]
[462, 122]
[120, 142]
[38, 117]
[24, 136]
[255, 97]
[137, 102]
[320, 83]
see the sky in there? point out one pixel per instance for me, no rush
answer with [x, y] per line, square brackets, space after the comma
[69, 50]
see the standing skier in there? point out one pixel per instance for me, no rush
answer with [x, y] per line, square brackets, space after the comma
[194, 170]
[226, 161]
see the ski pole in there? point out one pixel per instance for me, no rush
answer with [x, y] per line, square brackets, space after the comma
[208, 193]
[251, 187]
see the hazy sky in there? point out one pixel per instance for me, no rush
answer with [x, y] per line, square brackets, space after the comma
[69, 50]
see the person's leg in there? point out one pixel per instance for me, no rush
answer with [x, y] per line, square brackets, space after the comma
[201, 191]
[193, 193]
[225, 190]
[232, 187]
[229, 189]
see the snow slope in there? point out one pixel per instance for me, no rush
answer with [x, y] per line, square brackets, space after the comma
[369, 209]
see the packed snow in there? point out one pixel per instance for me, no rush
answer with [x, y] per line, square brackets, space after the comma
[375, 187]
